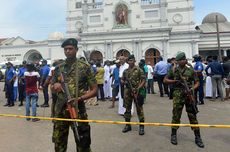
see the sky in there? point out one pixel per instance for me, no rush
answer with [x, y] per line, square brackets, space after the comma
[36, 19]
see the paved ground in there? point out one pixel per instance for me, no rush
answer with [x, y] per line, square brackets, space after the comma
[19, 135]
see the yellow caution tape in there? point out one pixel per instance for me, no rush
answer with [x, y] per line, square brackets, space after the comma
[119, 122]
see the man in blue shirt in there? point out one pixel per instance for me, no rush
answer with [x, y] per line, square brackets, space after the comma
[160, 70]
[115, 83]
[44, 72]
[198, 68]
[10, 77]
[21, 83]
[217, 74]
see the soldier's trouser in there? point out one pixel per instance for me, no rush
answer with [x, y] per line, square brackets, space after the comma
[128, 105]
[178, 104]
[60, 137]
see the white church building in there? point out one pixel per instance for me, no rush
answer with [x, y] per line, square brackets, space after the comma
[107, 29]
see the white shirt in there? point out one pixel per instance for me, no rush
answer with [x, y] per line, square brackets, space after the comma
[123, 68]
[150, 72]
[107, 73]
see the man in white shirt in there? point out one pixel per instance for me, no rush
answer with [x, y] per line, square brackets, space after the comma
[123, 66]
[107, 84]
[150, 82]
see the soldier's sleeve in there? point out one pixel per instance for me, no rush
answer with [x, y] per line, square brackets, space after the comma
[142, 74]
[170, 74]
[90, 76]
[194, 76]
[54, 77]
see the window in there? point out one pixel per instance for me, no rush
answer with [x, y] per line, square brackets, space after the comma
[95, 19]
[146, 2]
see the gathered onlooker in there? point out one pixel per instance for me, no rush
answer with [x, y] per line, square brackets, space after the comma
[208, 82]
[15, 87]
[100, 80]
[21, 83]
[9, 83]
[172, 65]
[226, 67]
[31, 80]
[44, 72]
[115, 83]
[160, 70]
[150, 82]
[217, 73]
[107, 84]
[198, 68]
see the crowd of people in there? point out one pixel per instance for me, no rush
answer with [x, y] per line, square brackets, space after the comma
[121, 80]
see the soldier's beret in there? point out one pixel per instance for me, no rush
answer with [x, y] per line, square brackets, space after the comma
[70, 41]
[180, 56]
[131, 56]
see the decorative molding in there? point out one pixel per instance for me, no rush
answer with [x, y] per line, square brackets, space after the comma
[93, 11]
[74, 18]
[96, 25]
[184, 9]
[150, 6]
[177, 18]
[151, 21]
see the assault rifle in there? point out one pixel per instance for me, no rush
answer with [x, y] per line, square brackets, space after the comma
[72, 106]
[190, 98]
[135, 93]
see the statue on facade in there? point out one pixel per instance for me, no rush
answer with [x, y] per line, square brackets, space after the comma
[122, 14]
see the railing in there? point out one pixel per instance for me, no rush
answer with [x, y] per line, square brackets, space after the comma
[147, 2]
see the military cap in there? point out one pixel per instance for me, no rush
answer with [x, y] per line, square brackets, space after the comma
[70, 41]
[180, 56]
[131, 56]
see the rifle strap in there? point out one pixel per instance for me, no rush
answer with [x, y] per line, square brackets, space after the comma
[77, 86]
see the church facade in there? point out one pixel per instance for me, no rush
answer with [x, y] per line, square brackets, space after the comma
[146, 28]
[107, 29]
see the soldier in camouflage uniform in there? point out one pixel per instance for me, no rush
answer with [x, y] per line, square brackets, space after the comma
[134, 80]
[85, 80]
[179, 97]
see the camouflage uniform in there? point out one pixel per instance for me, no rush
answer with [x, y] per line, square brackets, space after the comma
[61, 128]
[179, 96]
[135, 76]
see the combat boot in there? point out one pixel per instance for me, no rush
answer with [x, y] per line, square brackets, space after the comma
[141, 130]
[174, 136]
[198, 139]
[127, 126]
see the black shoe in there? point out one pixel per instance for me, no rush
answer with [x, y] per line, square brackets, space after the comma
[127, 128]
[141, 130]
[28, 119]
[174, 136]
[45, 105]
[199, 142]
[5, 105]
[37, 105]
[11, 105]
[21, 104]
[35, 119]
[174, 139]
